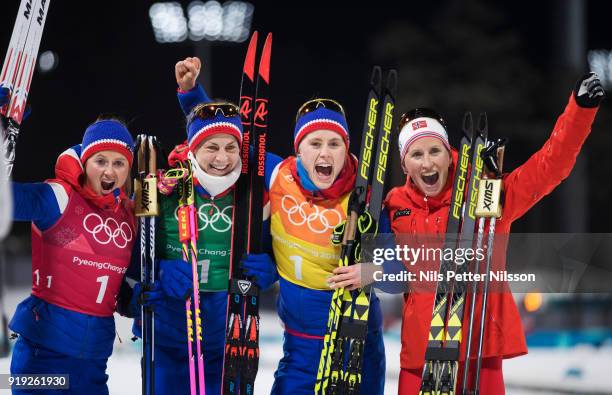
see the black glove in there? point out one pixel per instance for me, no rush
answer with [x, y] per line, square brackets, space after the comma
[589, 92]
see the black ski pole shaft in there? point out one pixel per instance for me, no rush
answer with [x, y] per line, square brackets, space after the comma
[146, 209]
[479, 241]
[483, 309]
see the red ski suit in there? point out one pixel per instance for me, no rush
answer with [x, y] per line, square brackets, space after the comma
[524, 187]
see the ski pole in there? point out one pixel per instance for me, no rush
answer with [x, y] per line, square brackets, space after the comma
[489, 205]
[145, 189]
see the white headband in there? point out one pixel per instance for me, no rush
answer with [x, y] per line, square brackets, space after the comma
[419, 128]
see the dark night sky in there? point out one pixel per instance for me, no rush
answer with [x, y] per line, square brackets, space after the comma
[109, 62]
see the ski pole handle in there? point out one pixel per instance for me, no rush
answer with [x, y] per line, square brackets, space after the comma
[10, 144]
[145, 184]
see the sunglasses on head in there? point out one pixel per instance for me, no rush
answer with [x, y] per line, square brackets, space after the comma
[420, 113]
[313, 104]
[211, 110]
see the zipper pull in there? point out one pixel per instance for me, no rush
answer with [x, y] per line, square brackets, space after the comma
[212, 206]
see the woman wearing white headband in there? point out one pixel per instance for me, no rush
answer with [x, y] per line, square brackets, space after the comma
[421, 206]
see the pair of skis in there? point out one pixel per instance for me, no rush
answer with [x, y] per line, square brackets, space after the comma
[147, 208]
[16, 76]
[446, 332]
[241, 358]
[18, 68]
[347, 325]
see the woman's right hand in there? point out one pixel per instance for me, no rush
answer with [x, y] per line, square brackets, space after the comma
[186, 72]
[4, 96]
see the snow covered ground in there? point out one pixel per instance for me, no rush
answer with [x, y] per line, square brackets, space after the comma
[543, 372]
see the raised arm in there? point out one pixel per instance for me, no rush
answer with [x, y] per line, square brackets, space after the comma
[550, 165]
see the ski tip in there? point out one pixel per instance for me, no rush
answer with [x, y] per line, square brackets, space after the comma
[264, 63]
[483, 124]
[468, 124]
[391, 84]
[376, 78]
[249, 61]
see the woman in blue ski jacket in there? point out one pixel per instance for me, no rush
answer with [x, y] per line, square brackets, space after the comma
[82, 236]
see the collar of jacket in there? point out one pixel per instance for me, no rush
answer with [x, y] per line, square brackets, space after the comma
[343, 184]
[204, 193]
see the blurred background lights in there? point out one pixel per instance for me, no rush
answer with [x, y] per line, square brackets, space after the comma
[600, 62]
[532, 301]
[205, 20]
[169, 22]
[211, 21]
[47, 61]
[237, 16]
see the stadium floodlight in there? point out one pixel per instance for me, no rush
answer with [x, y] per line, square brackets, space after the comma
[205, 20]
[237, 16]
[213, 21]
[169, 22]
[600, 62]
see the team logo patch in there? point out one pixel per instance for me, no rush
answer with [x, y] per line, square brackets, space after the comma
[244, 286]
[401, 213]
[419, 124]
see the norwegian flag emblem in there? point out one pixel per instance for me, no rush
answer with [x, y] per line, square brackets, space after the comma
[419, 124]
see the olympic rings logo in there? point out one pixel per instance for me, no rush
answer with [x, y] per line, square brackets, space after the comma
[318, 221]
[209, 215]
[105, 231]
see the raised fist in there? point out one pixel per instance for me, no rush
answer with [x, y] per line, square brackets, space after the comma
[186, 72]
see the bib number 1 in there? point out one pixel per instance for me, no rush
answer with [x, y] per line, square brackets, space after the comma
[103, 280]
[297, 266]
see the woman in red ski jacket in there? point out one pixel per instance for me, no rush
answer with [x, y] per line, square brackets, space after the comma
[421, 206]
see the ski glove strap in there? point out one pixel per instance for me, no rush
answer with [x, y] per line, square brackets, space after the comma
[147, 296]
[167, 181]
[338, 233]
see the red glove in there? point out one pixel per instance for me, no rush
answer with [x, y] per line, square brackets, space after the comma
[178, 154]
